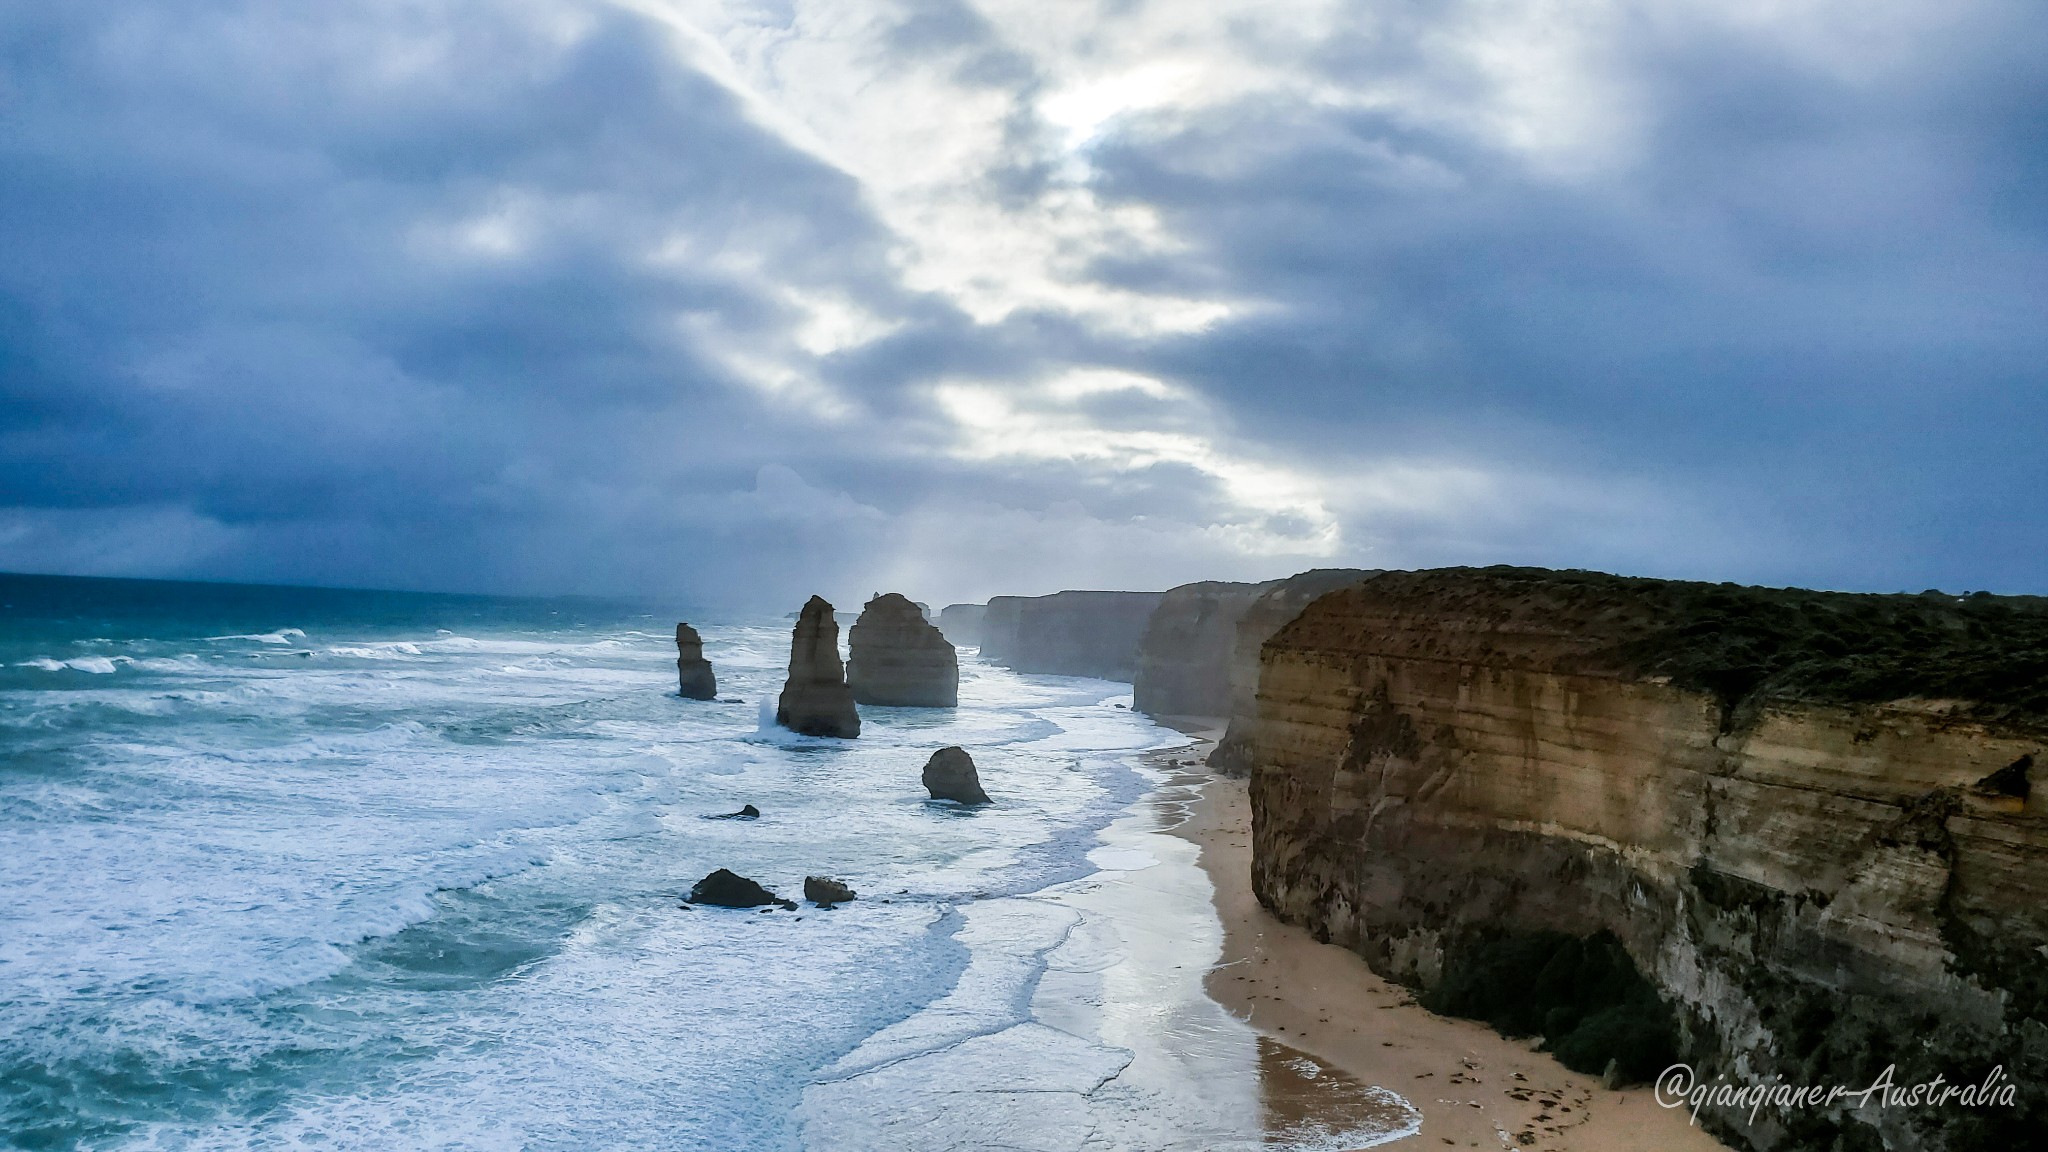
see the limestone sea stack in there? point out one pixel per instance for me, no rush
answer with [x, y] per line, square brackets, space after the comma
[950, 775]
[815, 699]
[899, 659]
[693, 671]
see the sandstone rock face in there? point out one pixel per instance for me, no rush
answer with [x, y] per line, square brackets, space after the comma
[950, 775]
[961, 623]
[1276, 606]
[1184, 660]
[1816, 822]
[1068, 633]
[692, 669]
[815, 699]
[899, 659]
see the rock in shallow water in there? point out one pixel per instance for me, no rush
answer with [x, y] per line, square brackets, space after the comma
[728, 889]
[950, 775]
[694, 678]
[825, 892]
[815, 699]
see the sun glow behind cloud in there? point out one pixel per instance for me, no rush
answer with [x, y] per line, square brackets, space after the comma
[1265, 510]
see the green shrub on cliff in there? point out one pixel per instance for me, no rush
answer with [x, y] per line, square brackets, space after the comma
[1585, 997]
[1748, 645]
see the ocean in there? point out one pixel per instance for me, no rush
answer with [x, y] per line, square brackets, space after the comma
[303, 868]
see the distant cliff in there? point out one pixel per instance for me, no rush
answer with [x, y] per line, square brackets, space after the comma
[1068, 633]
[1772, 832]
[961, 623]
[1184, 659]
[1278, 603]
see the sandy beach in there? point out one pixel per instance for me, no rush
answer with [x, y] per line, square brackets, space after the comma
[1473, 1087]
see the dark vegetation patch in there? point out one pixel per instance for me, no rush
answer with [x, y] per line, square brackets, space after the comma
[2010, 781]
[1731, 893]
[1584, 996]
[1747, 645]
[1827, 1036]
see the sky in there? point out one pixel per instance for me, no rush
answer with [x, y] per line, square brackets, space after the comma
[738, 301]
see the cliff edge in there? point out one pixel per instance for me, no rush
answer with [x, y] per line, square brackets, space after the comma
[1068, 633]
[1773, 833]
[1185, 657]
[1273, 609]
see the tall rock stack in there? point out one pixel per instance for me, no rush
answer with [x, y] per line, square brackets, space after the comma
[815, 699]
[693, 671]
[899, 658]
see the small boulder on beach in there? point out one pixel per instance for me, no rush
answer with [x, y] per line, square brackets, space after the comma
[825, 892]
[728, 889]
[950, 775]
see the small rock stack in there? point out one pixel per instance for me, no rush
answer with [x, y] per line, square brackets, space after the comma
[899, 658]
[693, 671]
[815, 699]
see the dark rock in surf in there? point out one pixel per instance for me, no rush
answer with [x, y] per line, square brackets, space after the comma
[825, 892]
[694, 678]
[748, 812]
[950, 775]
[727, 889]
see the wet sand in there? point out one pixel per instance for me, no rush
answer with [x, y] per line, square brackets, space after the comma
[1473, 1087]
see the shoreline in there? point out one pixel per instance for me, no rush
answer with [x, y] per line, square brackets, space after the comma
[1082, 1022]
[1473, 1087]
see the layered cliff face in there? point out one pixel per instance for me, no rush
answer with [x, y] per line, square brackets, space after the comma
[1816, 823]
[898, 658]
[1185, 656]
[1274, 607]
[961, 623]
[815, 699]
[695, 680]
[1068, 633]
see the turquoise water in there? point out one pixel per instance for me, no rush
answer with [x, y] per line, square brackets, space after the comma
[298, 868]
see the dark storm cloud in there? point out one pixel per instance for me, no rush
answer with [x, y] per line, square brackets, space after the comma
[232, 286]
[488, 296]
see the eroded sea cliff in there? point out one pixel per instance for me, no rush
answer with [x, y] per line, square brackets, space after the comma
[1772, 833]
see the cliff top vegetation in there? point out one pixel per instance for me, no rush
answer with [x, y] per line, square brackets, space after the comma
[1745, 645]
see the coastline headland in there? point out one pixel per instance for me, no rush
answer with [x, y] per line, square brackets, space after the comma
[1800, 835]
[1781, 836]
